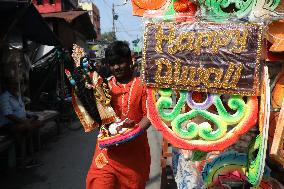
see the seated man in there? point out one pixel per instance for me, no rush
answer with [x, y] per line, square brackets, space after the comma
[14, 120]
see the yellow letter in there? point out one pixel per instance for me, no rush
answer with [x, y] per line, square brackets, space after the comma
[201, 42]
[163, 76]
[222, 38]
[237, 75]
[241, 41]
[235, 78]
[161, 36]
[180, 76]
[212, 82]
[183, 42]
[195, 79]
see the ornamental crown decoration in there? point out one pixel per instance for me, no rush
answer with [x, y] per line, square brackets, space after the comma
[77, 53]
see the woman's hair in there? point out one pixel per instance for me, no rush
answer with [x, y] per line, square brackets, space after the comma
[117, 51]
[86, 95]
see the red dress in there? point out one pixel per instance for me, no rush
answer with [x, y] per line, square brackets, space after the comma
[127, 165]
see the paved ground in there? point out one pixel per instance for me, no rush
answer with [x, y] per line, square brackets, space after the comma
[66, 160]
[155, 141]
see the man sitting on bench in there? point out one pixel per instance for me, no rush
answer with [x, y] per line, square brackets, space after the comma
[15, 122]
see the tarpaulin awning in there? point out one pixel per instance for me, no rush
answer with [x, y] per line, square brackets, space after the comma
[68, 16]
[25, 18]
[78, 20]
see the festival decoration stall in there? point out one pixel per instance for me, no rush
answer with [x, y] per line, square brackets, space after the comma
[205, 67]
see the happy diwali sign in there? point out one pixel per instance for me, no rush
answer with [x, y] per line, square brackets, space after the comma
[203, 56]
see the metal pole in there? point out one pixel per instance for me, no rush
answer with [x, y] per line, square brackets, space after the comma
[113, 24]
[114, 17]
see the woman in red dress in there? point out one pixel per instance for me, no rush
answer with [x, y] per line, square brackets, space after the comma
[127, 165]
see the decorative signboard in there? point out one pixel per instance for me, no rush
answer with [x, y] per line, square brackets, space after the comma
[203, 56]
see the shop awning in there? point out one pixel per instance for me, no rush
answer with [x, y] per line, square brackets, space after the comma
[68, 16]
[25, 18]
[78, 20]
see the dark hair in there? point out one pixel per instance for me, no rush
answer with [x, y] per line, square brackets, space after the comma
[86, 95]
[117, 52]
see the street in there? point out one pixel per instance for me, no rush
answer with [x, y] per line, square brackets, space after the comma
[66, 159]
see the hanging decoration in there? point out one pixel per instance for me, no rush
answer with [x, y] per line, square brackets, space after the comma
[256, 164]
[264, 10]
[217, 49]
[178, 127]
[250, 9]
[180, 8]
[229, 166]
[140, 6]
[191, 56]
[184, 6]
